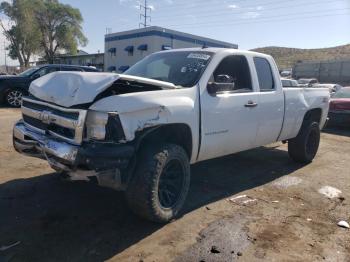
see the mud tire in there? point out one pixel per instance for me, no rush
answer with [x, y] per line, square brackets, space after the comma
[304, 146]
[144, 193]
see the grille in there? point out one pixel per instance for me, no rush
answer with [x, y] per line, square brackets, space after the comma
[34, 122]
[64, 123]
[39, 107]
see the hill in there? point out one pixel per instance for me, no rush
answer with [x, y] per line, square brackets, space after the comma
[287, 57]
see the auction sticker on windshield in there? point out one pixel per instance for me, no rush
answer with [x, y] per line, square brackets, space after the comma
[198, 56]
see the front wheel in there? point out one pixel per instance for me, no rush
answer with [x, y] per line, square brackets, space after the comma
[14, 97]
[159, 187]
[303, 148]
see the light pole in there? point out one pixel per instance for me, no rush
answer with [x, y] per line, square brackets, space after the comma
[5, 57]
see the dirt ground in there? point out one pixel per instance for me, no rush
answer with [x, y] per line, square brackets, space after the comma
[275, 213]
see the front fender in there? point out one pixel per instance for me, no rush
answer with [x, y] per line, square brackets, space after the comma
[3, 90]
[144, 110]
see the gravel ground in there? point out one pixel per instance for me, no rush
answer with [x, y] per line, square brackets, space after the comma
[253, 206]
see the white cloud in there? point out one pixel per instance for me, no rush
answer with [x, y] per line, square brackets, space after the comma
[233, 6]
[259, 8]
[192, 18]
[137, 5]
[250, 15]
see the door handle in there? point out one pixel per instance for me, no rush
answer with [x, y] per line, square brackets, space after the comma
[251, 104]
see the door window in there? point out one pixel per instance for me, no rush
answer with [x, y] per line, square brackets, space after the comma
[66, 68]
[265, 76]
[232, 75]
[46, 70]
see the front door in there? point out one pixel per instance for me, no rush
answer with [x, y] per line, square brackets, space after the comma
[229, 118]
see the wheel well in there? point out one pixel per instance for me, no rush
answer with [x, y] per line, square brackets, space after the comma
[313, 115]
[14, 88]
[179, 134]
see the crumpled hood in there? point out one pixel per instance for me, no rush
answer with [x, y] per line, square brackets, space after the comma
[73, 88]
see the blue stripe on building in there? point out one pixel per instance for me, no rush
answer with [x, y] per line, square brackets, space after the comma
[167, 35]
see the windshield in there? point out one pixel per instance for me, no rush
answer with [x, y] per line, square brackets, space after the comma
[342, 93]
[28, 72]
[182, 68]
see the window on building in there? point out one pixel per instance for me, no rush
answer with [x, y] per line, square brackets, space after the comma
[113, 51]
[265, 76]
[130, 50]
[122, 69]
[112, 69]
[143, 47]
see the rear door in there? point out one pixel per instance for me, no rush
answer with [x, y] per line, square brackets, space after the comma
[271, 101]
[229, 117]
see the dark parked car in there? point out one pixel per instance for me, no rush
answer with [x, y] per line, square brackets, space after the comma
[13, 87]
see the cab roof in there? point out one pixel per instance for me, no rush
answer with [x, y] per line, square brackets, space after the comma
[217, 50]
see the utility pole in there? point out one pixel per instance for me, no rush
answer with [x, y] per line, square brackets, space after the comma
[145, 15]
[108, 30]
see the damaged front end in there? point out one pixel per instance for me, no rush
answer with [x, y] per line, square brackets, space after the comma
[81, 143]
[85, 125]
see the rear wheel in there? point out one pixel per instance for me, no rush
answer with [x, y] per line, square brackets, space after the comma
[303, 148]
[14, 97]
[160, 184]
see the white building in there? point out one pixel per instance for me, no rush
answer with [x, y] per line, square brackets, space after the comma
[124, 49]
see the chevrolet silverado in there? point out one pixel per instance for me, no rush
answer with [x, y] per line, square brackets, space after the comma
[140, 131]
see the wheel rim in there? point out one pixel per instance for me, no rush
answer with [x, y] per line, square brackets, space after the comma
[312, 143]
[171, 184]
[14, 98]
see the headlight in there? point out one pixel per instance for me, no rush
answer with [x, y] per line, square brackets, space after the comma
[96, 125]
[114, 128]
[104, 126]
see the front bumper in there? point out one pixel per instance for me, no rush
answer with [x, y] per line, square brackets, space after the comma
[89, 156]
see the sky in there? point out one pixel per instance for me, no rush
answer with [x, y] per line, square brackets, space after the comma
[248, 23]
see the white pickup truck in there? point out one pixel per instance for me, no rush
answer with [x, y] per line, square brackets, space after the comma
[141, 130]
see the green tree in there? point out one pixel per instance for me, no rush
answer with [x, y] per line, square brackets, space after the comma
[60, 28]
[20, 30]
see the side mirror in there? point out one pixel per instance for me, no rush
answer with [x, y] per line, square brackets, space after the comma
[215, 87]
[223, 83]
[35, 76]
[212, 88]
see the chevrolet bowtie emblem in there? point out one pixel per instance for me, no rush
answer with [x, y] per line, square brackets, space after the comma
[45, 117]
